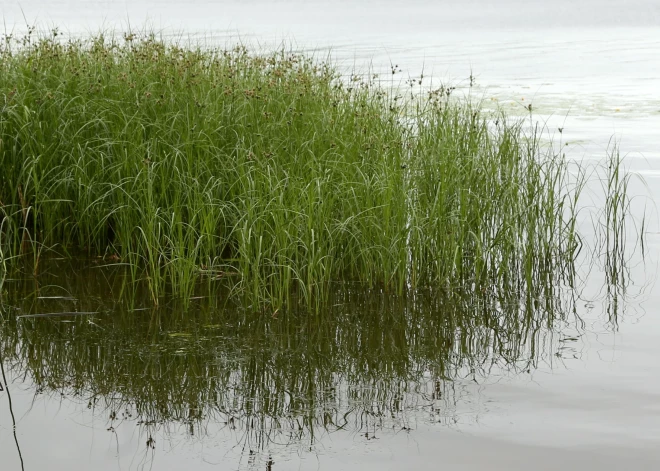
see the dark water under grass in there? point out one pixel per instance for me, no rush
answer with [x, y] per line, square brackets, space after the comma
[99, 379]
[545, 361]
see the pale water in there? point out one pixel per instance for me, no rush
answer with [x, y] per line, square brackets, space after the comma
[579, 392]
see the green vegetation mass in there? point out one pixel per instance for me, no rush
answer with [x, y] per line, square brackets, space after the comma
[270, 173]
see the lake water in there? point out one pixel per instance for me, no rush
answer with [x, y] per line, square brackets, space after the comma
[374, 383]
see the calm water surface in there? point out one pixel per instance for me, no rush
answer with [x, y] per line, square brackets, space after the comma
[374, 382]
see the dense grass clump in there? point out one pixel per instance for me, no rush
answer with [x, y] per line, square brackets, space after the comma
[270, 172]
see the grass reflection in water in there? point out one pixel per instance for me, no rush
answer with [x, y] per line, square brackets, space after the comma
[370, 361]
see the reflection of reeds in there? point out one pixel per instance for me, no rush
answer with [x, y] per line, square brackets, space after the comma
[616, 235]
[269, 173]
[370, 361]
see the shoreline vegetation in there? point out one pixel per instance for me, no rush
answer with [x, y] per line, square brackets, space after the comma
[274, 176]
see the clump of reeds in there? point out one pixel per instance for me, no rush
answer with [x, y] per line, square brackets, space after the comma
[270, 172]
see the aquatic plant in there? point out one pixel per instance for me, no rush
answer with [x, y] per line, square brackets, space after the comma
[269, 173]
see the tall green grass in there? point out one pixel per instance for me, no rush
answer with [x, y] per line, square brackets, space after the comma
[269, 172]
